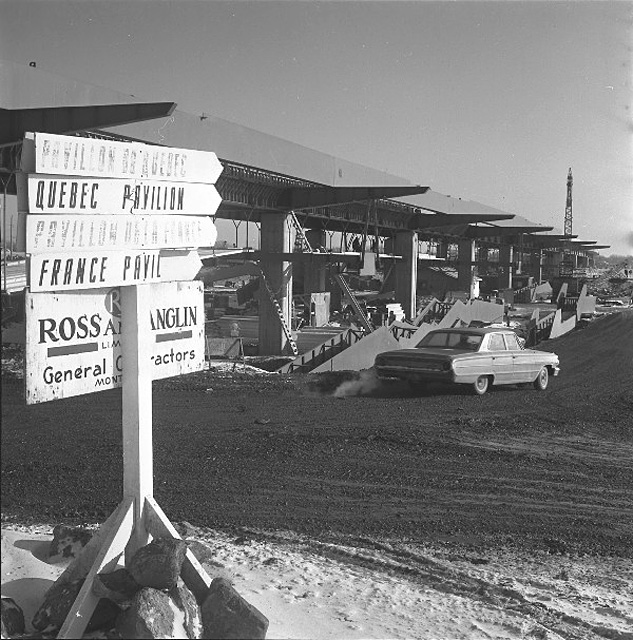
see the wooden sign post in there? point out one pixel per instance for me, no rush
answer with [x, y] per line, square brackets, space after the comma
[138, 479]
[145, 330]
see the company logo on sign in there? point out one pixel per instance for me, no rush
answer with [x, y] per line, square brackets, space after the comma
[75, 338]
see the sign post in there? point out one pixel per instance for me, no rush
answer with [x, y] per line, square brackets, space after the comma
[83, 337]
[138, 481]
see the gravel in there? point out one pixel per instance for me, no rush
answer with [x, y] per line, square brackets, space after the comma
[549, 470]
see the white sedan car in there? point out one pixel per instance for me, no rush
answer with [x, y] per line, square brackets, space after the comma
[479, 357]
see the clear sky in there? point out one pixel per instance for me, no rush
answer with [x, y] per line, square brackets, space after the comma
[489, 101]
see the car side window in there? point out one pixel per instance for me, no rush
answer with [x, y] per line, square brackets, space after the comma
[496, 342]
[511, 342]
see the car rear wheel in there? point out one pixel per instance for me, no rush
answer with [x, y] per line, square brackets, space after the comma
[480, 386]
[542, 380]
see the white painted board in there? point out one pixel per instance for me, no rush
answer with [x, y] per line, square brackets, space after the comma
[98, 268]
[86, 195]
[77, 156]
[73, 340]
[67, 233]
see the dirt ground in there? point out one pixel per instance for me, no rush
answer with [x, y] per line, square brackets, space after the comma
[342, 456]
[343, 507]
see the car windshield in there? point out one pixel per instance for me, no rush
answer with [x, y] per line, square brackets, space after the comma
[451, 340]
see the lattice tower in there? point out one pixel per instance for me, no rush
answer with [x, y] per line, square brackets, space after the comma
[568, 213]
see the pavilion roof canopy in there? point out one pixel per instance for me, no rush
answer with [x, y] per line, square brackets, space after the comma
[440, 203]
[319, 196]
[439, 220]
[14, 123]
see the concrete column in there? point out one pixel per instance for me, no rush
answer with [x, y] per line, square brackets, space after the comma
[506, 256]
[314, 272]
[405, 271]
[465, 266]
[538, 275]
[551, 264]
[275, 238]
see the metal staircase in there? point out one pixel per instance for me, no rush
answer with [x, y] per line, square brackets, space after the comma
[301, 241]
[539, 330]
[433, 312]
[321, 353]
[354, 302]
[280, 314]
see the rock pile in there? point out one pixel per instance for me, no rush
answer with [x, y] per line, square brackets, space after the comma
[146, 599]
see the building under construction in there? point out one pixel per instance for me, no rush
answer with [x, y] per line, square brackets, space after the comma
[322, 228]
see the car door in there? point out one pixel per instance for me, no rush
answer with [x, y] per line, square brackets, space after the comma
[502, 359]
[526, 363]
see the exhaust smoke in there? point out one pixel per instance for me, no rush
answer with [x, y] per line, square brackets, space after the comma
[366, 384]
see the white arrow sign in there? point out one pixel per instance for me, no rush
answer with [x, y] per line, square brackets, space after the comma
[98, 269]
[61, 194]
[55, 233]
[75, 156]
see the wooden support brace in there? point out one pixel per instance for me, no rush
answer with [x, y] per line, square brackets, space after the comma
[80, 566]
[112, 547]
[159, 526]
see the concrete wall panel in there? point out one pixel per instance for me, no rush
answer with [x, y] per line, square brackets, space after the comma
[586, 304]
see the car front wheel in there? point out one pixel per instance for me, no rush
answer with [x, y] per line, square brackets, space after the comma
[542, 380]
[480, 386]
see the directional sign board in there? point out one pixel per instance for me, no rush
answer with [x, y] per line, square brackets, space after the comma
[73, 340]
[77, 156]
[97, 269]
[57, 233]
[81, 195]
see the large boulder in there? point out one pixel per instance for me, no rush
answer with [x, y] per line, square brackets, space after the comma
[57, 604]
[225, 614]
[186, 529]
[118, 586]
[204, 552]
[69, 541]
[12, 618]
[158, 564]
[150, 615]
[186, 602]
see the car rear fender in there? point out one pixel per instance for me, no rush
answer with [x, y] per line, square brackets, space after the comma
[468, 369]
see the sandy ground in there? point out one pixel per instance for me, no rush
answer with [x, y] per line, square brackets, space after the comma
[329, 591]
